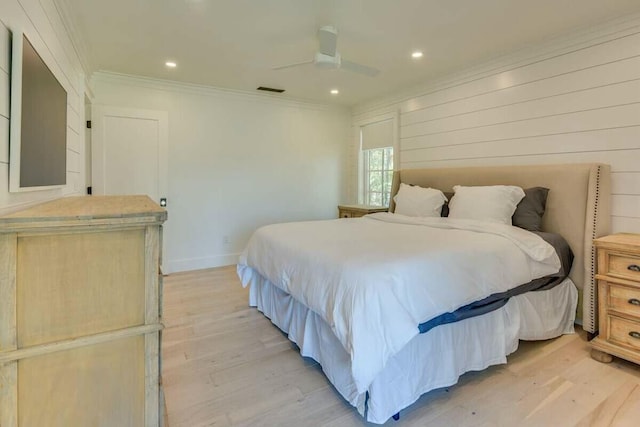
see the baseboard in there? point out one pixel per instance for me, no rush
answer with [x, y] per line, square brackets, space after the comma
[175, 266]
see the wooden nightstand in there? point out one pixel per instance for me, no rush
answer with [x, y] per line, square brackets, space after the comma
[355, 211]
[618, 298]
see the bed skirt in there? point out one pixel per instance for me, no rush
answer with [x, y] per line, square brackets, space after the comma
[431, 360]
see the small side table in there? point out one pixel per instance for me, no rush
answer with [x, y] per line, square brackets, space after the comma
[355, 211]
[618, 298]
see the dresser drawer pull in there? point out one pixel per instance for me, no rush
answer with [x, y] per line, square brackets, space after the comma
[634, 267]
[634, 301]
[634, 334]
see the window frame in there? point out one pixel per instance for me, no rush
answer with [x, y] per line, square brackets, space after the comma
[384, 172]
[361, 181]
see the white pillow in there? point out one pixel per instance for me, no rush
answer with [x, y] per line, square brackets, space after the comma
[412, 200]
[495, 203]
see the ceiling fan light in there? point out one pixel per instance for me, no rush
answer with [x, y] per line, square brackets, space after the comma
[327, 61]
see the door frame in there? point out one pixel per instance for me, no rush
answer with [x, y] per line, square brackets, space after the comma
[98, 113]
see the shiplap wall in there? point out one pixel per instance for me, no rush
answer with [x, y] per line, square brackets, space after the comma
[578, 102]
[42, 24]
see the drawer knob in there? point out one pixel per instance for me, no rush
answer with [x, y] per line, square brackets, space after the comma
[634, 267]
[634, 334]
[634, 301]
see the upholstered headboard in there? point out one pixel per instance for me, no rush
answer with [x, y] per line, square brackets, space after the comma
[578, 208]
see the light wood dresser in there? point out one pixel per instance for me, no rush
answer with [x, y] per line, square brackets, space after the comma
[618, 298]
[80, 313]
[356, 211]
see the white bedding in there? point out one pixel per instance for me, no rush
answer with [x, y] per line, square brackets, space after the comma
[413, 269]
[429, 361]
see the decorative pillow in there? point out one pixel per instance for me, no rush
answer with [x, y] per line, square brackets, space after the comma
[412, 200]
[495, 203]
[528, 214]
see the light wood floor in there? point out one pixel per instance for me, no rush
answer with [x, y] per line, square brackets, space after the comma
[225, 364]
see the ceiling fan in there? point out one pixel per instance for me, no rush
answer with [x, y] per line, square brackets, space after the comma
[328, 57]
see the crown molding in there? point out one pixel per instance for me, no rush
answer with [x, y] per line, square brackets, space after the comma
[77, 39]
[548, 48]
[198, 89]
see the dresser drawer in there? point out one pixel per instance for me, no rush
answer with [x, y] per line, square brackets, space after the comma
[624, 332]
[625, 300]
[625, 266]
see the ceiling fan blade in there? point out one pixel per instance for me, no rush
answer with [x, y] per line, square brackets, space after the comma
[328, 38]
[297, 64]
[359, 68]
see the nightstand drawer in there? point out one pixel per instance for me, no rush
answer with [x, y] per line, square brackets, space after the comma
[624, 332]
[344, 214]
[625, 266]
[624, 300]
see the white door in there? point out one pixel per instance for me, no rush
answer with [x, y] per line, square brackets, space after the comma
[129, 151]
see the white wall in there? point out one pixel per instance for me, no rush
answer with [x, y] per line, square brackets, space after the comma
[42, 24]
[574, 99]
[237, 161]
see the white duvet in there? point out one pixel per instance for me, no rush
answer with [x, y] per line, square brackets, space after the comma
[374, 279]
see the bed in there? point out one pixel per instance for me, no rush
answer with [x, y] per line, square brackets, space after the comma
[344, 290]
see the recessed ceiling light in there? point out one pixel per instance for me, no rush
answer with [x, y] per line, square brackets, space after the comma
[334, 91]
[417, 54]
[171, 64]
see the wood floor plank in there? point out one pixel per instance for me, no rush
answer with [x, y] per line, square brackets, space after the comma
[619, 409]
[225, 364]
[315, 409]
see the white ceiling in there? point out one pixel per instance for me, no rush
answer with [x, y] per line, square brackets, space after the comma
[235, 43]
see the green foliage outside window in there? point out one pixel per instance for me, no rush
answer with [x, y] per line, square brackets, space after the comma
[378, 176]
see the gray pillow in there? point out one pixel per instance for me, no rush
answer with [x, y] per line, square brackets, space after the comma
[528, 214]
[445, 208]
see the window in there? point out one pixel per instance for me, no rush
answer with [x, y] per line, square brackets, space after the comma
[378, 175]
[376, 162]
